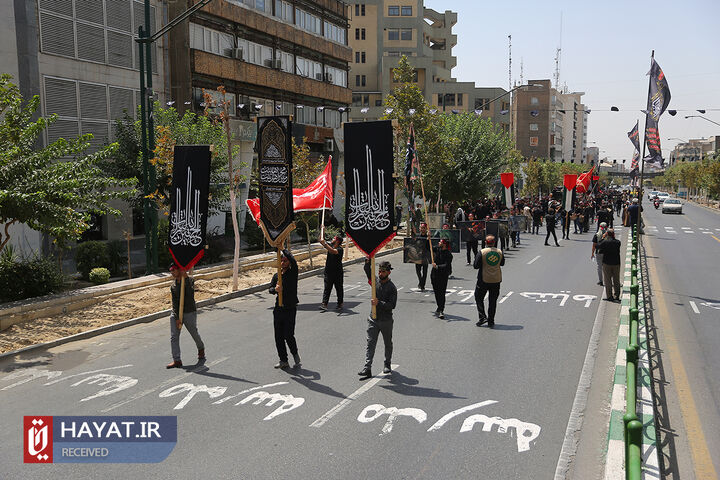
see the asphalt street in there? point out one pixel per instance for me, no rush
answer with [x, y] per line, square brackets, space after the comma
[683, 257]
[462, 401]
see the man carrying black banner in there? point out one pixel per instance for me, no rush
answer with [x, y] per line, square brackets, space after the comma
[488, 264]
[385, 301]
[441, 270]
[284, 316]
[333, 272]
[421, 269]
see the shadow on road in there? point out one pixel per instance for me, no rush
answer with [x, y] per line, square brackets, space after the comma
[403, 385]
[307, 378]
[205, 372]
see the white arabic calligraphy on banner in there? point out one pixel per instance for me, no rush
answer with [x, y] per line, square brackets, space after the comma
[185, 225]
[369, 210]
[270, 174]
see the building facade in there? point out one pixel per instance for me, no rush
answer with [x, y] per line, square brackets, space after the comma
[695, 149]
[381, 31]
[80, 57]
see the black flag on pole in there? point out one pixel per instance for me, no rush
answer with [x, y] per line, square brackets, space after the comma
[189, 204]
[369, 216]
[658, 100]
[634, 137]
[275, 159]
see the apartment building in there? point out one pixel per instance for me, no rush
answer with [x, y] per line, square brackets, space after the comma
[574, 122]
[80, 57]
[695, 149]
[381, 31]
[273, 58]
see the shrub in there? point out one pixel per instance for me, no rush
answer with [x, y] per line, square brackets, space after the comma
[28, 277]
[117, 255]
[99, 275]
[90, 255]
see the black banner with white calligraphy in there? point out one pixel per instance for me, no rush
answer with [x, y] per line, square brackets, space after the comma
[658, 100]
[275, 163]
[369, 212]
[189, 204]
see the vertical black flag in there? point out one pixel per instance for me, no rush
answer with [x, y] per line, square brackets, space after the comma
[369, 215]
[275, 159]
[634, 135]
[409, 163]
[189, 204]
[658, 100]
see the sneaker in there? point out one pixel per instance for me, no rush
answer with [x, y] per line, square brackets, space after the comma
[437, 312]
[481, 322]
[441, 315]
[296, 358]
[339, 306]
[387, 369]
[323, 307]
[282, 364]
[467, 264]
[365, 373]
[201, 354]
[174, 364]
[547, 244]
[491, 324]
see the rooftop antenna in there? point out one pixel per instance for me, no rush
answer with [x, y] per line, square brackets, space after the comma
[557, 58]
[509, 62]
[521, 71]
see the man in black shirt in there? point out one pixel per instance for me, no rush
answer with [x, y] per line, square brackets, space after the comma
[609, 247]
[441, 270]
[189, 316]
[384, 302]
[550, 225]
[333, 272]
[537, 215]
[284, 316]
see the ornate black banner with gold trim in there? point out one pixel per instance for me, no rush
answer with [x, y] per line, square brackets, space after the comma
[275, 175]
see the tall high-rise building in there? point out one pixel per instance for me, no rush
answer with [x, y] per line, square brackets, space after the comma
[382, 31]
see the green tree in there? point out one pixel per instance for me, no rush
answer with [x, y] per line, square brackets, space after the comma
[479, 150]
[37, 188]
[407, 105]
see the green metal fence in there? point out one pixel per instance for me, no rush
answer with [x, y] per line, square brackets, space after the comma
[633, 426]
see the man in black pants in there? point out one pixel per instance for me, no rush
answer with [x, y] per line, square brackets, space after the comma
[488, 262]
[441, 270]
[384, 302]
[421, 269]
[550, 225]
[537, 216]
[284, 316]
[333, 272]
[472, 243]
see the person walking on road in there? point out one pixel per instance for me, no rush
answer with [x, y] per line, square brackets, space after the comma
[634, 214]
[384, 302]
[537, 217]
[441, 270]
[333, 276]
[189, 316]
[609, 247]
[550, 225]
[488, 264]
[421, 269]
[284, 316]
[472, 243]
[594, 253]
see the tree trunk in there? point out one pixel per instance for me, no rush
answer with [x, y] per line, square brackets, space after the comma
[236, 232]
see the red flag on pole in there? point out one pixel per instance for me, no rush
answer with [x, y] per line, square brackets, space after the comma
[583, 181]
[508, 179]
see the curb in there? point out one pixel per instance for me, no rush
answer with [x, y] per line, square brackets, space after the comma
[615, 459]
[164, 313]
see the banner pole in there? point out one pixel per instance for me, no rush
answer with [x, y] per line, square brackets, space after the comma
[373, 280]
[182, 300]
[642, 159]
[422, 188]
[279, 273]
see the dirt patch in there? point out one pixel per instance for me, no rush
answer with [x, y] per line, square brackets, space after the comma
[136, 304]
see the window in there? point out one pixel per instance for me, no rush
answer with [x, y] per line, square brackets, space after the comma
[393, 54]
[357, 57]
[209, 40]
[357, 34]
[533, 101]
[216, 102]
[533, 141]
[357, 80]
[362, 34]
[362, 80]
[287, 61]
[336, 76]
[307, 21]
[459, 95]
[362, 10]
[378, 102]
[447, 100]
[283, 10]
[334, 33]
[393, 34]
[256, 53]
[360, 100]
[534, 127]
[309, 68]
[357, 9]
[394, 11]
[407, 11]
[406, 34]
[362, 57]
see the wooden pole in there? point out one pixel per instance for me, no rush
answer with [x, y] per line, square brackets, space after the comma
[373, 280]
[182, 300]
[279, 273]
[422, 188]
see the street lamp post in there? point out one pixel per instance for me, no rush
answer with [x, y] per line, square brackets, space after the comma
[704, 118]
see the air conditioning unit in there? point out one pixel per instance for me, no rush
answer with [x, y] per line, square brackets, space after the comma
[268, 62]
[277, 64]
[238, 53]
[228, 52]
[329, 145]
[328, 77]
[319, 76]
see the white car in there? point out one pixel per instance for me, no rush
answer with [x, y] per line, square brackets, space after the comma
[652, 194]
[672, 205]
[662, 196]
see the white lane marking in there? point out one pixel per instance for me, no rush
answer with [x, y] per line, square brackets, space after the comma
[707, 232]
[85, 373]
[346, 401]
[164, 384]
[694, 307]
[505, 297]
[531, 261]
[688, 231]
[447, 417]
[574, 426]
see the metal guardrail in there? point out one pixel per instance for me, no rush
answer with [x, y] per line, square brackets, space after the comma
[633, 426]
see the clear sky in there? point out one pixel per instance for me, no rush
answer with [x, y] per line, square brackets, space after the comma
[606, 47]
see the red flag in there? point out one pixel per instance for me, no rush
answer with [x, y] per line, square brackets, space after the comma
[569, 181]
[507, 179]
[316, 196]
[583, 181]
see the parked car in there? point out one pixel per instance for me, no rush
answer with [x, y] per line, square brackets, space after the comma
[672, 205]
